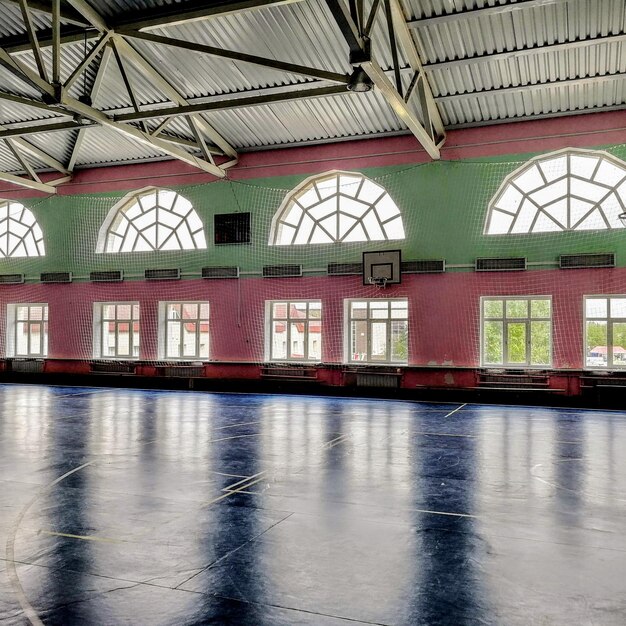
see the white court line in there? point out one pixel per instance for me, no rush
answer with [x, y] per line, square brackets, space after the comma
[455, 410]
[27, 607]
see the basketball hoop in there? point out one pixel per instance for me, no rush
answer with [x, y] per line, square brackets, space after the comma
[380, 282]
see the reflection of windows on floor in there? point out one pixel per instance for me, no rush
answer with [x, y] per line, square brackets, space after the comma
[294, 330]
[605, 331]
[516, 331]
[184, 330]
[377, 331]
[116, 330]
[27, 330]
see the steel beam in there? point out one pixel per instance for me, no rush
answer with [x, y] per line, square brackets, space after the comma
[89, 58]
[67, 13]
[31, 129]
[40, 154]
[34, 44]
[346, 25]
[25, 182]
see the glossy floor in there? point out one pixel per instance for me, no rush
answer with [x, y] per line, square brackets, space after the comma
[143, 507]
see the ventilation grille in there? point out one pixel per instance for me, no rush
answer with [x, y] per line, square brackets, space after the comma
[11, 279]
[112, 367]
[27, 366]
[427, 266]
[271, 271]
[171, 274]
[377, 380]
[183, 371]
[573, 261]
[107, 276]
[56, 277]
[345, 269]
[508, 264]
[220, 272]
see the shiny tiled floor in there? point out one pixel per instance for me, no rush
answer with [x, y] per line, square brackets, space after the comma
[137, 507]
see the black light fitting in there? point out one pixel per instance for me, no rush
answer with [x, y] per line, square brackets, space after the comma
[622, 218]
[360, 81]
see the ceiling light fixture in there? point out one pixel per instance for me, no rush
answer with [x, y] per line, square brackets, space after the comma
[360, 81]
[622, 218]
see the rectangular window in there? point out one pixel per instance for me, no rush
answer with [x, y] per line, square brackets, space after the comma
[116, 330]
[377, 331]
[184, 330]
[27, 330]
[516, 331]
[605, 331]
[294, 330]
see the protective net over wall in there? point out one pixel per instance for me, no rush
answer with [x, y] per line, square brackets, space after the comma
[270, 270]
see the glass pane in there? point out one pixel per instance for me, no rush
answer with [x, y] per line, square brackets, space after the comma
[123, 338]
[135, 311]
[297, 310]
[379, 341]
[596, 348]
[45, 335]
[204, 311]
[619, 344]
[204, 340]
[492, 343]
[108, 339]
[540, 308]
[280, 310]
[540, 343]
[296, 349]
[618, 307]
[173, 340]
[22, 312]
[516, 342]
[190, 311]
[45, 312]
[136, 338]
[36, 313]
[517, 308]
[123, 311]
[358, 310]
[596, 307]
[173, 311]
[399, 310]
[279, 340]
[358, 341]
[315, 341]
[315, 310]
[108, 311]
[493, 308]
[21, 339]
[379, 310]
[35, 339]
[399, 341]
[189, 339]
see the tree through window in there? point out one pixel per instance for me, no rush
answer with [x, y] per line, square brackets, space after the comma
[336, 207]
[20, 234]
[152, 219]
[565, 190]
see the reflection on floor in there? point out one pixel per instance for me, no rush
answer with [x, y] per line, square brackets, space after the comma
[136, 507]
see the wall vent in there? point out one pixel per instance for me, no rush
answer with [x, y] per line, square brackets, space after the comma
[575, 261]
[27, 366]
[426, 266]
[220, 272]
[112, 367]
[107, 276]
[169, 274]
[367, 379]
[504, 264]
[183, 371]
[11, 279]
[275, 271]
[56, 277]
[345, 269]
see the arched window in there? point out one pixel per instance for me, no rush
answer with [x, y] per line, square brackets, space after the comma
[336, 207]
[20, 234]
[566, 190]
[151, 219]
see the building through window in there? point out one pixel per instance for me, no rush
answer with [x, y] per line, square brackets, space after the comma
[149, 220]
[605, 331]
[20, 234]
[295, 330]
[184, 330]
[516, 331]
[566, 190]
[336, 207]
[116, 330]
[27, 330]
[377, 331]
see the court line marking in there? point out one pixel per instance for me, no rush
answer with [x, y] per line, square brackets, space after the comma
[231, 492]
[243, 480]
[14, 579]
[455, 410]
[233, 437]
[334, 442]
[53, 533]
[238, 424]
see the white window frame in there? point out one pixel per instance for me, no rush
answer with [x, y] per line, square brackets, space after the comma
[348, 352]
[609, 331]
[30, 243]
[269, 330]
[505, 320]
[12, 325]
[98, 329]
[164, 324]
